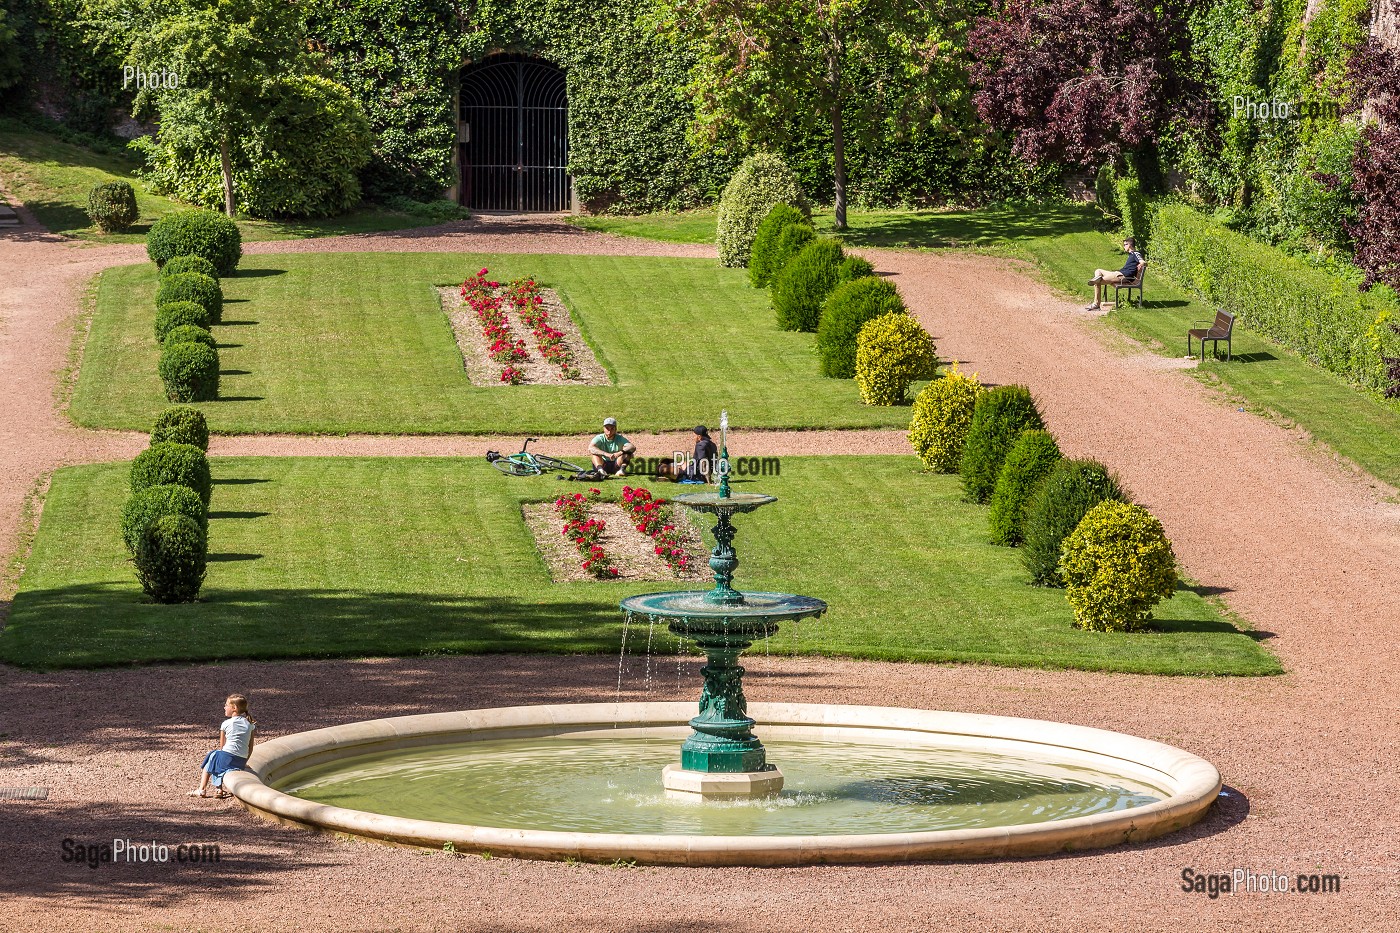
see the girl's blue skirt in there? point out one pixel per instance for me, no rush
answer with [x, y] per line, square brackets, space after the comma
[219, 761]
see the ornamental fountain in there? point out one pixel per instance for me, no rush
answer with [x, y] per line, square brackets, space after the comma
[862, 783]
[722, 757]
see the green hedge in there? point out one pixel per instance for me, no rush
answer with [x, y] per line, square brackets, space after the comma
[1324, 318]
[201, 233]
[146, 507]
[192, 286]
[847, 310]
[168, 462]
[763, 252]
[112, 206]
[800, 290]
[171, 559]
[181, 424]
[176, 314]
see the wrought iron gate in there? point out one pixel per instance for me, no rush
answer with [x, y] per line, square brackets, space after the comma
[514, 139]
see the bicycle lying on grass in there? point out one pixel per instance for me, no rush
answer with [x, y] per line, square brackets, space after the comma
[528, 464]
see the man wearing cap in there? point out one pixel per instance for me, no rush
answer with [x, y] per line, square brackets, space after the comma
[611, 452]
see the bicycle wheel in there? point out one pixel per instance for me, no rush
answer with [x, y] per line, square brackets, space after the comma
[512, 467]
[554, 463]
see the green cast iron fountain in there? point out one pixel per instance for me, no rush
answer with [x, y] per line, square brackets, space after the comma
[722, 757]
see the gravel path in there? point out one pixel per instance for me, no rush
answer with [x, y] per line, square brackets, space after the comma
[1299, 545]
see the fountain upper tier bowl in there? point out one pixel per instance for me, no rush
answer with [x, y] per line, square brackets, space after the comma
[867, 784]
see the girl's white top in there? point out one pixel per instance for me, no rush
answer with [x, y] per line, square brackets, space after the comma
[237, 731]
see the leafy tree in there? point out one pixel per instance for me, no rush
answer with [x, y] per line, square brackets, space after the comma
[768, 70]
[225, 53]
[1081, 81]
[10, 63]
[1375, 77]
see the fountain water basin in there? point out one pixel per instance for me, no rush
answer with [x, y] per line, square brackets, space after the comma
[866, 784]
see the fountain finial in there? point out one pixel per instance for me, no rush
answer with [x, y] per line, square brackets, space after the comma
[723, 466]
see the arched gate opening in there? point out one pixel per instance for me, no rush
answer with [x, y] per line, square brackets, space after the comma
[513, 141]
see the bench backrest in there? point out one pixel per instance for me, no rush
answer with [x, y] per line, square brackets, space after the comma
[1224, 324]
[1141, 271]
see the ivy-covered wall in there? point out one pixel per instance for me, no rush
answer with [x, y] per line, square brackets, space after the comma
[628, 117]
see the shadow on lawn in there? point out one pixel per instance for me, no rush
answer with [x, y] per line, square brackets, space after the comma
[966, 228]
[103, 624]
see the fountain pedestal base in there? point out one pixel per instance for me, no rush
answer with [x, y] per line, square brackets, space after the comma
[710, 785]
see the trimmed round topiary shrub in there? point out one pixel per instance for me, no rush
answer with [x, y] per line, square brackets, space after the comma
[207, 234]
[190, 372]
[790, 242]
[854, 267]
[847, 310]
[892, 352]
[801, 288]
[189, 264]
[189, 333]
[180, 314]
[764, 251]
[1056, 508]
[112, 206]
[761, 181]
[941, 417]
[181, 425]
[168, 462]
[191, 286]
[998, 419]
[144, 508]
[171, 558]
[1027, 464]
[1117, 564]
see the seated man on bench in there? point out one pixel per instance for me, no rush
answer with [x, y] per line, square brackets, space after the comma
[1103, 277]
[610, 451]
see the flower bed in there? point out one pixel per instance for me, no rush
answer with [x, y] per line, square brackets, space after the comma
[653, 517]
[585, 532]
[488, 318]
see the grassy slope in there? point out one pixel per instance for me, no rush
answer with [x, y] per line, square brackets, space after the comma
[435, 558]
[53, 177]
[348, 342]
[1067, 243]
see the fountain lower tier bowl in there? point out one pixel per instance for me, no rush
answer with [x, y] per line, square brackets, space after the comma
[864, 784]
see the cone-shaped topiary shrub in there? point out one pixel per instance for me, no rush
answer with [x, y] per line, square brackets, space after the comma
[189, 264]
[207, 234]
[1026, 466]
[190, 372]
[941, 417]
[169, 462]
[761, 181]
[179, 314]
[191, 286]
[854, 267]
[764, 251]
[892, 352]
[1056, 508]
[847, 310]
[189, 333]
[112, 206]
[144, 508]
[181, 425]
[801, 288]
[790, 242]
[999, 418]
[171, 558]
[1117, 564]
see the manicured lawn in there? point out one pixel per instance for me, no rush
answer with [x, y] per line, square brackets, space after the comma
[53, 178]
[1067, 242]
[351, 342]
[433, 557]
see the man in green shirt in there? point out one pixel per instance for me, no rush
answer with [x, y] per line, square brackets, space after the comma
[611, 452]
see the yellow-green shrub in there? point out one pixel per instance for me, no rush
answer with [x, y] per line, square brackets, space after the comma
[892, 351]
[1117, 564]
[942, 414]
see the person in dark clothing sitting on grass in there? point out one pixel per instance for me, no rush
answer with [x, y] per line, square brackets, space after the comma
[702, 466]
[1103, 277]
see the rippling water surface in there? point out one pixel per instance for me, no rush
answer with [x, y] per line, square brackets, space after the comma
[614, 786]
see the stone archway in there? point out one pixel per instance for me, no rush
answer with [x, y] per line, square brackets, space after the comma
[513, 136]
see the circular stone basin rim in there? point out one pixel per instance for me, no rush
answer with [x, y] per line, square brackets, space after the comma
[1192, 782]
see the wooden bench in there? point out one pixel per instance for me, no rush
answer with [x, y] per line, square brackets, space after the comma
[1220, 330]
[1129, 286]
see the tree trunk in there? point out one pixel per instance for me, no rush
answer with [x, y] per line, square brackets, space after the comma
[227, 170]
[838, 140]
